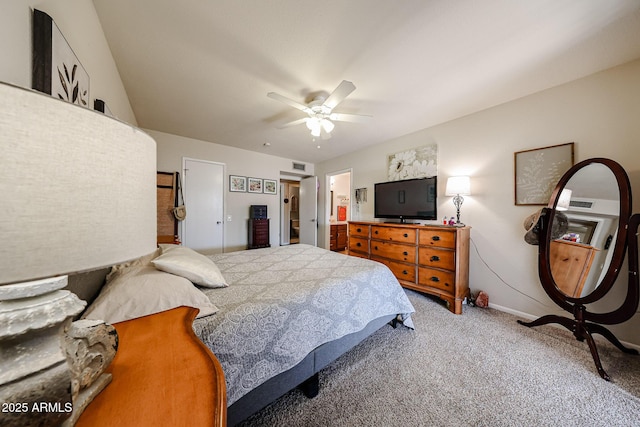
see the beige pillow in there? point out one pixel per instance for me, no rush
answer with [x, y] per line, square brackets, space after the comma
[123, 268]
[186, 262]
[145, 290]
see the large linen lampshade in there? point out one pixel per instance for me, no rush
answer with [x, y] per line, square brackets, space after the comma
[78, 188]
[78, 193]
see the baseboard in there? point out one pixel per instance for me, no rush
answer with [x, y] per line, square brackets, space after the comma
[532, 317]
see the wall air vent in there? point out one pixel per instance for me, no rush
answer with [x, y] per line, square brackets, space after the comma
[299, 166]
[581, 204]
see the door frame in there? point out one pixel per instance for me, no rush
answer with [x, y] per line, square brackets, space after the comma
[224, 195]
[326, 218]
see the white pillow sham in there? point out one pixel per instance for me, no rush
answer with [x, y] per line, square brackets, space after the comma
[186, 262]
[145, 290]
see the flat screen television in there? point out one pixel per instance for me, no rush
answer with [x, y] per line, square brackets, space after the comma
[406, 199]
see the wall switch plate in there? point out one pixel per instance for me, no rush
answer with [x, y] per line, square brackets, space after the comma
[228, 218]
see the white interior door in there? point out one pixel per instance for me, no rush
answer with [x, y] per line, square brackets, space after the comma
[309, 210]
[203, 228]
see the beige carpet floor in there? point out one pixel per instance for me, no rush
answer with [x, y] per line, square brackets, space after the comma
[478, 369]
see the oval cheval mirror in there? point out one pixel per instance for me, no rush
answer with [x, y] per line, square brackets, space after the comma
[591, 205]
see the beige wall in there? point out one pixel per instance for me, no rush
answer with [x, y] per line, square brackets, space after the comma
[600, 113]
[172, 149]
[79, 24]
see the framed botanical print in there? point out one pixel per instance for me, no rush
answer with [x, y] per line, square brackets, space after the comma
[537, 172]
[237, 183]
[56, 68]
[270, 186]
[254, 185]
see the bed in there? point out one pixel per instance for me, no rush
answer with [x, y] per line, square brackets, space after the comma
[281, 315]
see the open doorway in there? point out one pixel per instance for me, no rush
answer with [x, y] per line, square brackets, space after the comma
[339, 209]
[289, 212]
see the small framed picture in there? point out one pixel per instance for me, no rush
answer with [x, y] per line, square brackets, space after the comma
[255, 185]
[270, 186]
[237, 183]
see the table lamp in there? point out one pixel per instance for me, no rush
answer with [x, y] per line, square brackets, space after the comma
[458, 186]
[79, 193]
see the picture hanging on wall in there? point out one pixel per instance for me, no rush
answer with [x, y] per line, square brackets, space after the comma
[537, 172]
[56, 68]
[270, 186]
[421, 162]
[255, 185]
[237, 183]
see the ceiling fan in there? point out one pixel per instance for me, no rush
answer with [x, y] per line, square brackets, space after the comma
[319, 107]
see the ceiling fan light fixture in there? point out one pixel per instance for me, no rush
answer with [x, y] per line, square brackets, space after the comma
[327, 125]
[313, 124]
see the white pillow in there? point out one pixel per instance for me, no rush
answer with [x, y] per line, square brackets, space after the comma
[186, 262]
[145, 290]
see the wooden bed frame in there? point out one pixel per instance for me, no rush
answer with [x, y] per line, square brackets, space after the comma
[303, 375]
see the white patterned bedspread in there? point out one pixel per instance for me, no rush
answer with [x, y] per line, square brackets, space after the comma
[283, 302]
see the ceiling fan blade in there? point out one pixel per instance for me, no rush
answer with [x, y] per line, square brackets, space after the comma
[288, 101]
[353, 118]
[339, 94]
[293, 123]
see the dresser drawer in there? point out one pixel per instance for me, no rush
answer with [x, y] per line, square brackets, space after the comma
[400, 270]
[439, 258]
[402, 235]
[359, 230]
[437, 279]
[439, 238]
[358, 244]
[393, 251]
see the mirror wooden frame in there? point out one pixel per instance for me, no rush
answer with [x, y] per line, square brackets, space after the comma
[585, 323]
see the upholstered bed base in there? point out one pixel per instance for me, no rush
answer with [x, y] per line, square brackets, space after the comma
[315, 361]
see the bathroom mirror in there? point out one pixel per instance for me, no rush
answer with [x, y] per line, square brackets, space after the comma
[582, 265]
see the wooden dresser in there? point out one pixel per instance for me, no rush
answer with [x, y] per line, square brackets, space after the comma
[429, 259]
[258, 233]
[338, 237]
[570, 265]
[163, 375]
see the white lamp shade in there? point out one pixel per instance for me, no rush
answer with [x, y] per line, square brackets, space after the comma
[78, 188]
[327, 125]
[564, 200]
[458, 185]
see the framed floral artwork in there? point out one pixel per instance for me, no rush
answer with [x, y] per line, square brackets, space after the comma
[270, 186]
[56, 69]
[237, 183]
[254, 185]
[537, 172]
[418, 162]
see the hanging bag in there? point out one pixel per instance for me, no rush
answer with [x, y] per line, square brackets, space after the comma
[179, 210]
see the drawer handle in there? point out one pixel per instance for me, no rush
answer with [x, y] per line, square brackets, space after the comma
[405, 253]
[435, 279]
[358, 230]
[358, 244]
[405, 235]
[435, 238]
[435, 258]
[405, 272]
[375, 247]
[376, 232]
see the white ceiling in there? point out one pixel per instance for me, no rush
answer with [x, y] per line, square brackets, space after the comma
[202, 69]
